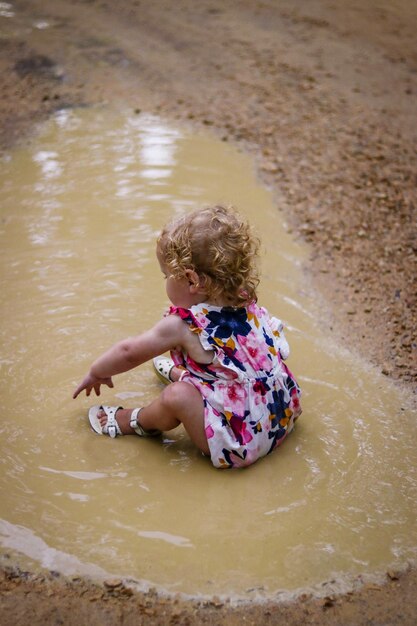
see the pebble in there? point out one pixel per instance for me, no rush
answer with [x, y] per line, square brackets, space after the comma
[327, 602]
[112, 583]
[269, 166]
[96, 597]
[387, 369]
[394, 574]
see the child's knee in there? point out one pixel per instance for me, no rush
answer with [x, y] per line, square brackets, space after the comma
[177, 395]
[171, 395]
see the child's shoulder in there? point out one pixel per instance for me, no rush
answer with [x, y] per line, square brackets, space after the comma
[260, 312]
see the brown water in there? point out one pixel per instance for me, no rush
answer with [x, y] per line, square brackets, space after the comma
[80, 209]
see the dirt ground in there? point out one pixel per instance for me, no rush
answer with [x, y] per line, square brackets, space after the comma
[322, 93]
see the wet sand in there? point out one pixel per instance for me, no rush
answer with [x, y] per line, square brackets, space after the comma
[323, 95]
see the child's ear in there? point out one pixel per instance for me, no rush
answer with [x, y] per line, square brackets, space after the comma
[193, 280]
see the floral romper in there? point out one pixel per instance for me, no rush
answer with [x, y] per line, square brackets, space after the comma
[251, 399]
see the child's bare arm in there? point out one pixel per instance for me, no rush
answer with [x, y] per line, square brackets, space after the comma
[168, 333]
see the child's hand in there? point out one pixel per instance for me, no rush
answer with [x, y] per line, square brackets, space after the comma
[91, 382]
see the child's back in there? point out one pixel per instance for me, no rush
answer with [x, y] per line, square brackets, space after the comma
[251, 399]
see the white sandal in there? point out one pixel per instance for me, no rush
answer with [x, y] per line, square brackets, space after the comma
[163, 366]
[112, 428]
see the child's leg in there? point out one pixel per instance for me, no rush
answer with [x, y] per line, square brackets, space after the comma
[179, 403]
[175, 373]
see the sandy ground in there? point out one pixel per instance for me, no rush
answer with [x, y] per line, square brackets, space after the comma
[322, 93]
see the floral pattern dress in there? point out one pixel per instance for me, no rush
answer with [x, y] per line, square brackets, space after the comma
[251, 399]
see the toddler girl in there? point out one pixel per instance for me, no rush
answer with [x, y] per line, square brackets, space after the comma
[229, 386]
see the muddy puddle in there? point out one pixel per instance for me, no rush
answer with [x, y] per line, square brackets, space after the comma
[81, 206]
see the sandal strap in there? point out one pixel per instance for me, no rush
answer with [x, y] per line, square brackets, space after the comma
[112, 428]
[139, 430]
[134, 422]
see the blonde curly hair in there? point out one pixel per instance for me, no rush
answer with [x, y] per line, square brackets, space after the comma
[220, 247]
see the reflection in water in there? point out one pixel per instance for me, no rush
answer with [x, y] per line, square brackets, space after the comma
[6, 9]
[80, 210]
